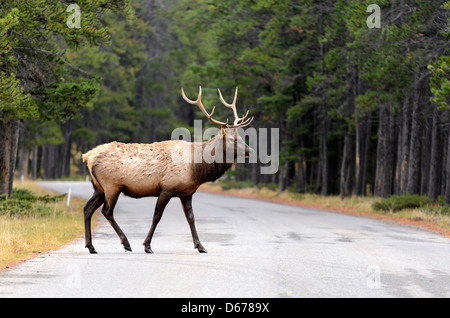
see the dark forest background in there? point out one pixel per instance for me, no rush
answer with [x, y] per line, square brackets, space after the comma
[361, 111]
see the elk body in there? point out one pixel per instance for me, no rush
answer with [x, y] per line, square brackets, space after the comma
[143, 170]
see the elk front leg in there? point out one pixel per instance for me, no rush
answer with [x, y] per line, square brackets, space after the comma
[161, 203]
[108, 212]
[186, 202]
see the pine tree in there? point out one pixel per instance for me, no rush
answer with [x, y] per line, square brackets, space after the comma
[35, 36]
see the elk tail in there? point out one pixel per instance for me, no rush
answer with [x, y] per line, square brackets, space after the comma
[89, 158]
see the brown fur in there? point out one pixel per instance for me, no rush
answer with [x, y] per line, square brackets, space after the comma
[207, 172]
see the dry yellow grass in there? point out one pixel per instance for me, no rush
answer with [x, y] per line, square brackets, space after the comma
[25, 237]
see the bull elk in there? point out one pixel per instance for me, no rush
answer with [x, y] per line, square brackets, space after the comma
[143, 170]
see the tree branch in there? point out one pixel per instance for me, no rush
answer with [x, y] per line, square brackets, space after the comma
[76, 68]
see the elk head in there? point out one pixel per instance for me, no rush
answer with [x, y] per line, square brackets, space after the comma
[228, 139]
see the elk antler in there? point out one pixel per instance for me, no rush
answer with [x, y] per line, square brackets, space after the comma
[239, 122]
[199, 104]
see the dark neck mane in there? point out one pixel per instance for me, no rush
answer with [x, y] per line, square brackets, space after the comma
[205, 172]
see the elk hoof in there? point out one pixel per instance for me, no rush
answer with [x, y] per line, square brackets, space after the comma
[148, 250]
[91, 249]
[127, 248]
[201, 249]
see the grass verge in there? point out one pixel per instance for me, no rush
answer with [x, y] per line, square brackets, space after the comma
[431, 216]
[43, 222]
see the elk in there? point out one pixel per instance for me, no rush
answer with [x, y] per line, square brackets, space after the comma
[143, 170]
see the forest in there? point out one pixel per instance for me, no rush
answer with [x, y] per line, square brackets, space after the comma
[360, 110]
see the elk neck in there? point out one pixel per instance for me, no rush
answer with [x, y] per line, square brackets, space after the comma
[204, 171]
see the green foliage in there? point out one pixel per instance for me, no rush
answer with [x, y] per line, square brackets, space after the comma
[6, 42]
[38, 82]
[400, 202]
[368, 101]
[24, 203]
[84, 134]
[13, 101]
[36, 34]
[440, 81]
[45, 133]
[69, 98]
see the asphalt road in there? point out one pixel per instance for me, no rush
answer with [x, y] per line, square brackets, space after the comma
[255, 249]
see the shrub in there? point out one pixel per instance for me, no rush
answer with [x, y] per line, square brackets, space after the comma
[25, 203]
[26, 195]
[400, 202]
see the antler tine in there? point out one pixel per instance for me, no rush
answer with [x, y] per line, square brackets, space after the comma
[232, 106]
[243, 124]
[238, 121]
[187, 99]
[199, 104]
[246, 114]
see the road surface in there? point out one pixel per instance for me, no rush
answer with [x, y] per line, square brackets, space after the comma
[255, 249]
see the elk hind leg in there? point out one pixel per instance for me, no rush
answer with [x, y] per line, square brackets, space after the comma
[163, 199]
[108, 212]
[97, 199]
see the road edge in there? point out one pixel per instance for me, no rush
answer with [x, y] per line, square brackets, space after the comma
[391, 218]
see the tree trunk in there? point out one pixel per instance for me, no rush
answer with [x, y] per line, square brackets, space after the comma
[13, 154]
[405, 144]
[255, 173]
[386, 189]
[301, 174]
[379, 169]
[426, 150]
[413, 186]
[5, 154]
[398, 164]
[50, 161]
[65, 151]
[436, 157]
[385, 152]
[24, 156]
[444, 150]
[323, 142]
[447, 170]
[362, 146]
[345, 179]
[34, 163]
[282, 176]
[324, 167]
[358, 145]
